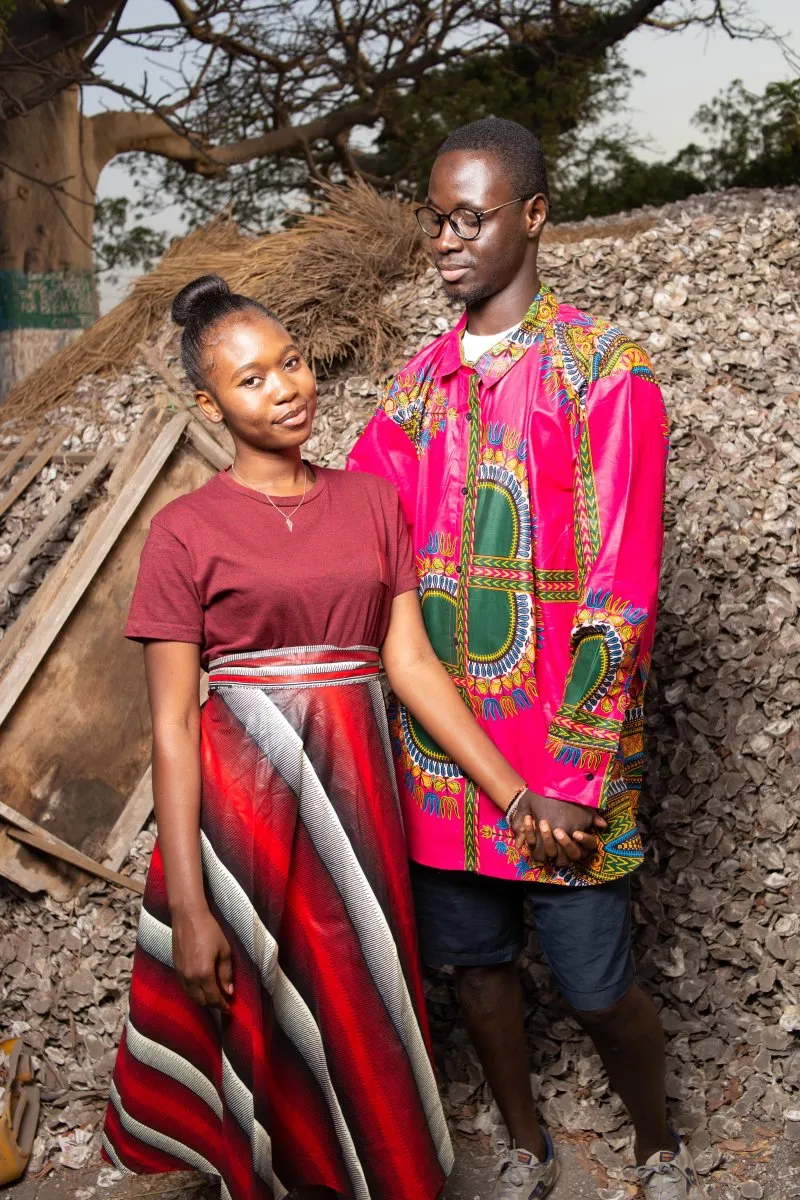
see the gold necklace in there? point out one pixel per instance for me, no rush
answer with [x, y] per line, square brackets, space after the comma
[286, 516]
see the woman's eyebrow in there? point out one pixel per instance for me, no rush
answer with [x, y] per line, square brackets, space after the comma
[259, 366]
[245, 367]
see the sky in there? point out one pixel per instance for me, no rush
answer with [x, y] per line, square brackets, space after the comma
[678, 73]
[682, 71]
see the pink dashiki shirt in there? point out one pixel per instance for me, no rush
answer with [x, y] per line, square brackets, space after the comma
[533, 485]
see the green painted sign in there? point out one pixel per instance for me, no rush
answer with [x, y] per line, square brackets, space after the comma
[47, 300]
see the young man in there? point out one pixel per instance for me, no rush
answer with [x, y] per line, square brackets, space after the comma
[529, 447]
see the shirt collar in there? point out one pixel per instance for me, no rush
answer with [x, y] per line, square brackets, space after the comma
[499, 360]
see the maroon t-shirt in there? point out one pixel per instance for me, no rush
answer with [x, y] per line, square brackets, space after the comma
[221, 569]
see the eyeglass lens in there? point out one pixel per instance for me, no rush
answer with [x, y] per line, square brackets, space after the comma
[464, 222]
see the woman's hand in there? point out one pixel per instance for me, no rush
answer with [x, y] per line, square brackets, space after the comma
[202, 958]
[555, 829]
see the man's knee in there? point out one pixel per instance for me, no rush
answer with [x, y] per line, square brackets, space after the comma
[614, 1020]
[483, 991]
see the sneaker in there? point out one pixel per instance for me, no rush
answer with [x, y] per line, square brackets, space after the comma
[670, 1175]
[523, 1177]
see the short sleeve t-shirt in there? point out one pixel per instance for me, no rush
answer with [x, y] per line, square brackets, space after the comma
[476, 344]
[220, 568]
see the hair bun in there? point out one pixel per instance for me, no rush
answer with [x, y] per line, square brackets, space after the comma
[205, 292]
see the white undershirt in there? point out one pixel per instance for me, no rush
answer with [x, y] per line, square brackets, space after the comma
[475, 345]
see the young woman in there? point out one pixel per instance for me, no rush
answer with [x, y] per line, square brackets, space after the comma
[277, 1034]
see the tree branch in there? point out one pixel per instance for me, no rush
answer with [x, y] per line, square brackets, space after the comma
[201, 31]
[124, 132]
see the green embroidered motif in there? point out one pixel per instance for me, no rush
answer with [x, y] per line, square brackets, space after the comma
[471, 843]
[554, 586]
[468, 525]
[605, 639]
[587, 518]
[589, 667]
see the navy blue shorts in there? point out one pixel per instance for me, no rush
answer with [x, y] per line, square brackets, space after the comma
[467, 920]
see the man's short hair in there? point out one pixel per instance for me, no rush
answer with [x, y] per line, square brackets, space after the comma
[519, 151]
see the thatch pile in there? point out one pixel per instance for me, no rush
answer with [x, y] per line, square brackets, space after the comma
[328, 276]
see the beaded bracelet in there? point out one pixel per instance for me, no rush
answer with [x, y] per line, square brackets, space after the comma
[515, 799]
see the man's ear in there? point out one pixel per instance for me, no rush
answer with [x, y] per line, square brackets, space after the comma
[537, 211]
[208, 407]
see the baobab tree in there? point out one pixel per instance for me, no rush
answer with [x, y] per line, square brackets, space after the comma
[276, 81]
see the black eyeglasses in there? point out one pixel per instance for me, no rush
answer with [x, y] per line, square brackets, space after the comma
[464, 222]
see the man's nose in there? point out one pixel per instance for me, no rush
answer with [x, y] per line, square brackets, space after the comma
[447, 240]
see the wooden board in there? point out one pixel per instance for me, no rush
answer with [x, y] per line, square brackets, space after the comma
[35, 612]
[28, 475]
[130, 821]
[52, 849]
[43, 531]
[48, 611]
[208, 446]
[18, 454]
[72, 458]
[76, 743]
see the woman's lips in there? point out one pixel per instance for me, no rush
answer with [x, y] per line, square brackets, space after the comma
[297, 417]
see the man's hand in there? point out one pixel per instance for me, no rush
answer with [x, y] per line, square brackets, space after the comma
[555, 829]
[202, 958]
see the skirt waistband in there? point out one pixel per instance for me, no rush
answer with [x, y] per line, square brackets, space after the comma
[295, 666]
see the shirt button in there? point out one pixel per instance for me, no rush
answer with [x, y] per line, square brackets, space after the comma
[458, 569]
[464, 491]
[589, 778]
[469, 416]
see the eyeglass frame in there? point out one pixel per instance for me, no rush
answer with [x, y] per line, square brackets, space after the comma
[448, 217]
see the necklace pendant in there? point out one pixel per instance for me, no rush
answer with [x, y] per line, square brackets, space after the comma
[290, 525]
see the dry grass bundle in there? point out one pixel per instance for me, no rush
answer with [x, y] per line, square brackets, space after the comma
[327, 277]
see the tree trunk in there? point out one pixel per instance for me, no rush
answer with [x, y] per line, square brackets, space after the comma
[47, 291]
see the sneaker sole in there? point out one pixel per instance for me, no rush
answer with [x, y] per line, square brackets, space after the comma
[536, 1194]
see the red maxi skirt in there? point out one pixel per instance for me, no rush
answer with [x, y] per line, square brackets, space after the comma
[321, 1073]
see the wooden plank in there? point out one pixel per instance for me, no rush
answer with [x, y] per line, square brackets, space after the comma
[158, 363]
[208, 446]
[130, 822]
[208, 438]
[23, 827]
[72, 458]
[78, 740]
[153, 420]
[19, 452]
[41, 460]
[221, 436]
[145, 433]
[47, 619]
[12, 817]
[41, 534]
[45, 845]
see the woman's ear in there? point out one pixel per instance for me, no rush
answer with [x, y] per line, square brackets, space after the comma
[208, 407]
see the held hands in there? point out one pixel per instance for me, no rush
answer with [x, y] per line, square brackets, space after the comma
[202, 958]
[555, 830]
